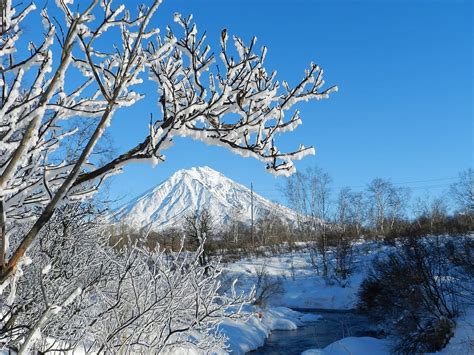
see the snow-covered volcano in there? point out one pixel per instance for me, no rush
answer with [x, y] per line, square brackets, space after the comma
[196, 188]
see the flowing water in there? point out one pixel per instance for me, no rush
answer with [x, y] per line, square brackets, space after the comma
[333, 326]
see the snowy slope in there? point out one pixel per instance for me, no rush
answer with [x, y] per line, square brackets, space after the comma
[196, 188]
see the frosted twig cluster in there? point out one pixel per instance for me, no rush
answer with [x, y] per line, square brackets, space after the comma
[87, 294]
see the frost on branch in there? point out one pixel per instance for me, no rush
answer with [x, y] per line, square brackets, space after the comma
[232, 102]
[178, 303]
[236, 104]
[39, 108]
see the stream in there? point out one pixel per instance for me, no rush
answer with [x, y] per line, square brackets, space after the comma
[333, 326]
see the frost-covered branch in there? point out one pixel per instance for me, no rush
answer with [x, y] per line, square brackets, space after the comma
[157, 300]
[242, 108]
[238, 105]
[32, 185]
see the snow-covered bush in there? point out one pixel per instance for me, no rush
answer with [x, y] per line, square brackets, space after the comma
[199, 229]
[416, 292]
[82, 291]
[157, 301]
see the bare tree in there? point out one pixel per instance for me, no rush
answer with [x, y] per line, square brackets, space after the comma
[309, 194]
[438, 213]
[357, 211]
[344, 259]
[320, 191]
[397, 204]
[270, 226]
[297, 194]
[266, 286]
[239, 105]
[386, 204]
[346, 216]
[343, 205]
[378, 194]
[462, 193]
[431, 214]
[199, 228]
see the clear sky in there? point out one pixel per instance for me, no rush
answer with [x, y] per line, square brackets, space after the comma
[404, 109]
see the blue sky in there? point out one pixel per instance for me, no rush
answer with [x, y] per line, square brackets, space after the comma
[404, 107]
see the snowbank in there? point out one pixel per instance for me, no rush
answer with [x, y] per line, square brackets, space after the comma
[354, 346]
[313, 292]
[249, 335]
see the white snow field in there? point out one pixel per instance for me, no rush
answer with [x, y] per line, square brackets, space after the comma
[187, 190]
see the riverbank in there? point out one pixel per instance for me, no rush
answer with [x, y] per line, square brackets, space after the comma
[304, 290]
[245, 336]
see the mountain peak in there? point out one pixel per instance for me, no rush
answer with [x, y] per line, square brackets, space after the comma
[188, 190]
[202, 171]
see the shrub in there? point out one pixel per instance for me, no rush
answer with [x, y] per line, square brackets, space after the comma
[432, 337]
[415, 291]
[266, 286]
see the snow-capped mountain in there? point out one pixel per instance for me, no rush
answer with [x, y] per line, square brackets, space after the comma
[196, 188]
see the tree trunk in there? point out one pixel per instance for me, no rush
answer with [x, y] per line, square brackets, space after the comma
[3, 235]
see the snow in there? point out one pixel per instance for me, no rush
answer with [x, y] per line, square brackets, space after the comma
[251, 334]
[306, 290]
[72, 297]
[46, 269]
[304, 294]
[354, 346]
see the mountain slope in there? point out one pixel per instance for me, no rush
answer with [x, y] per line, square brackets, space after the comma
[197, 188]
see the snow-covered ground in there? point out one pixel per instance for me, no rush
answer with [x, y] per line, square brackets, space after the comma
[304, 289]
[463, 340]
[353, 346]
